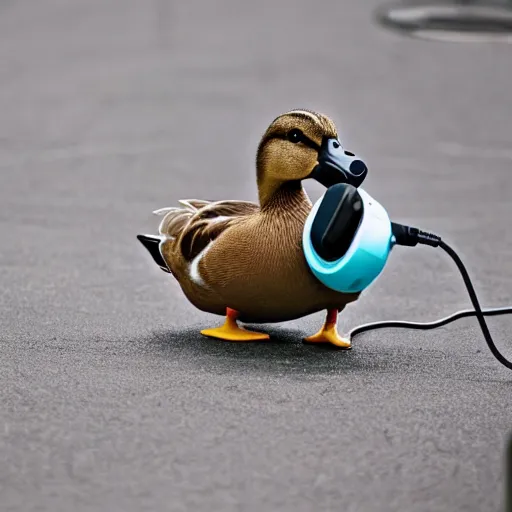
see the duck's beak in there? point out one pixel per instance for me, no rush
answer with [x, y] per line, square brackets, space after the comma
[336, 165]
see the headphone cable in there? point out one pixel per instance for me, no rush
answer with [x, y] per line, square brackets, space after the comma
[408, 236]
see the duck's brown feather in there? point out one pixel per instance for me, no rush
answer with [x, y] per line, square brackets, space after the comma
[200, 222]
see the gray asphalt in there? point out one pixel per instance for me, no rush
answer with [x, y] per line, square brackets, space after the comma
[110, 398]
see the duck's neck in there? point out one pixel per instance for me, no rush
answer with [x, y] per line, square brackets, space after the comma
[285, 197]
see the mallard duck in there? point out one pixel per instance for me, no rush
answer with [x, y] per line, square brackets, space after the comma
[244, 260]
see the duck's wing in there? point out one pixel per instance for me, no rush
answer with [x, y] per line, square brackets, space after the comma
[211, 221]
[215, 209]
[199, 222]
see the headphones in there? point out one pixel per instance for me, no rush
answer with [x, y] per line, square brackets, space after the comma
[347, 238]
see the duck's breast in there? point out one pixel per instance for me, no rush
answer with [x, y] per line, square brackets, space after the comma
[258, 268]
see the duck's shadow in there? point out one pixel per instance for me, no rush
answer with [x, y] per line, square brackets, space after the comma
[285, 353]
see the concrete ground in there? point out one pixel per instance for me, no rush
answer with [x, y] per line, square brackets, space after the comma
[110, 399]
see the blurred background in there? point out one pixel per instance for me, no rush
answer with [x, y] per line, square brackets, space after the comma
[110, 109]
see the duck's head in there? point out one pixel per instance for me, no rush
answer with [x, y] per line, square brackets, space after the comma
[303, 144]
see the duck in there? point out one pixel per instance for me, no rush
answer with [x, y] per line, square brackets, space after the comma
[244, 260]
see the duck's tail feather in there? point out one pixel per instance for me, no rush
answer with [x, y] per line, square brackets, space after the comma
[152, 244]
[176, 218]
[174, 221]
[194, 204]
[165, 211]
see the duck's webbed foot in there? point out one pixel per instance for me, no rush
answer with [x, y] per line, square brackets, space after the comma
[329, 333]
[231, 331]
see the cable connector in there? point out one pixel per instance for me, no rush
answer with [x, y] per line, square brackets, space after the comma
[410, 237]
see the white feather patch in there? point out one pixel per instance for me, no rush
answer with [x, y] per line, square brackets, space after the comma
[185, 202]
[193, 270]
[164, 211]
[221, 218]
[161, 227]
[194, 264]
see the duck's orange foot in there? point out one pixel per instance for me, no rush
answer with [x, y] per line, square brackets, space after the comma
[228, 333]
[329, 334]
[231, 331]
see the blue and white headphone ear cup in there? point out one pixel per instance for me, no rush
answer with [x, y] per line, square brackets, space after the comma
[367, 253]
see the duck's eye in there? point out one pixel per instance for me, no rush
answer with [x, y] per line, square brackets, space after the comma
[295, 135]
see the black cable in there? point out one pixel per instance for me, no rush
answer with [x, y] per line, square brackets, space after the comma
[412, 236]
[426, 326]
[479, 314]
